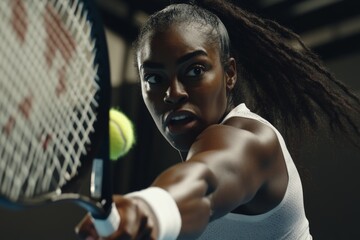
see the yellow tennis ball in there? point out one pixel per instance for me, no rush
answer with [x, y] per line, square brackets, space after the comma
[121, 132]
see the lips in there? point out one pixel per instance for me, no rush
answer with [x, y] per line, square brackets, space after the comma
[180, 121]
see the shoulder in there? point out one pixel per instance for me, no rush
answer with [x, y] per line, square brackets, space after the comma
[262, 132]
[238, 132]
[248, 152]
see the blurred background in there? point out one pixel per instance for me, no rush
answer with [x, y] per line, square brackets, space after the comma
[329, 165]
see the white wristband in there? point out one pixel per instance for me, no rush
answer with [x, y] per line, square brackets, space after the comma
[106, 227]
[165, 210]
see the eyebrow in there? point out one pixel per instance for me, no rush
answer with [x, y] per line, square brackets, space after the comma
[182, 59]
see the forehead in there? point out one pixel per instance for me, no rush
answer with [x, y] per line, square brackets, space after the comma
[176, 40]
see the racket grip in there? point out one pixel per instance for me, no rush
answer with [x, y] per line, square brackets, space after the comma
[106, 227]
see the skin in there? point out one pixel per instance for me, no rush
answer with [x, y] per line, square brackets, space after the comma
[180, 78]
[236, 166]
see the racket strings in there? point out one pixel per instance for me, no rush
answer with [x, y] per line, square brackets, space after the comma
[16, 136]
[47, 96]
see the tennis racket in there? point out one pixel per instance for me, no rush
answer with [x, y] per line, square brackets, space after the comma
[54, 105]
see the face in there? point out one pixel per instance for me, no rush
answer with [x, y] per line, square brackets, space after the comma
[183, 83]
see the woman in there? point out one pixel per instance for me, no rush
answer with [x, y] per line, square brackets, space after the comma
[199, 64]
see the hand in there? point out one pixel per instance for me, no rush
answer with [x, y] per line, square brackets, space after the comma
[136, 222]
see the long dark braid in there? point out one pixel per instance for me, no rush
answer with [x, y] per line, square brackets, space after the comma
[282, 79]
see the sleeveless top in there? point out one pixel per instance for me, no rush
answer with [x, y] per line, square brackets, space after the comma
[286, 221]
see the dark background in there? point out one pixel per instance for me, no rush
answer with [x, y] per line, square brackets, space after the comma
[328, 163]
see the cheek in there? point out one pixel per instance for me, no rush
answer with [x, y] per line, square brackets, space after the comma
[149, 102]
[214, 102]
[152, 104]
[147, 96]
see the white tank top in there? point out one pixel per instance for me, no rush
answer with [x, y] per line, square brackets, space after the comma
[285, 221]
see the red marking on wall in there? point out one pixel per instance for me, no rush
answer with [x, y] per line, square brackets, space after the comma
[19, 19]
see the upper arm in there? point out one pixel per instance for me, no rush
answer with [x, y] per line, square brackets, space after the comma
[241, 160]
[225, 167]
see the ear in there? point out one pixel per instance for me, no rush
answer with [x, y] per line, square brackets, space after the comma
[230, 74]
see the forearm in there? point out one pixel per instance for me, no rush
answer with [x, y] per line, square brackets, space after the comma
[191, 185]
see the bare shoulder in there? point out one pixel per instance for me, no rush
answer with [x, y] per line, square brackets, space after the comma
[252, 151]
[264, 133]
[238, 132]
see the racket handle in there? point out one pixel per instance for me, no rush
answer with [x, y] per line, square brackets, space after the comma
[106, 227]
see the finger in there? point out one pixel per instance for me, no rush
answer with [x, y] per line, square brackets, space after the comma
[86, 229]
[134, 222]
[145, 230]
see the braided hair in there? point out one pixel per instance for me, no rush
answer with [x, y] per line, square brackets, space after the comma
[279, 77]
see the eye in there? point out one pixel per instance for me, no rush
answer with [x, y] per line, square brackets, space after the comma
[152, 78]
[195, 71]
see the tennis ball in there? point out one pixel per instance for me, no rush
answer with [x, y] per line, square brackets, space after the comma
[121, 132]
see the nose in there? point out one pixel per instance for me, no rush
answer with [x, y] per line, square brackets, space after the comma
[176, 93]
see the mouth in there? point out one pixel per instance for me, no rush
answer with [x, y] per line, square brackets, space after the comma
[180, 121]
